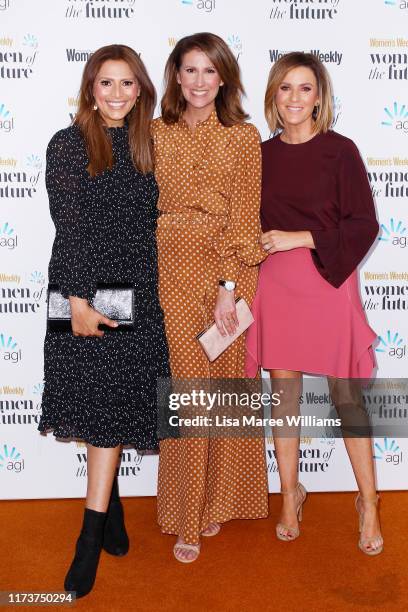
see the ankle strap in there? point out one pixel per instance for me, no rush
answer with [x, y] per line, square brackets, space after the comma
[291, 490]
[369, 500]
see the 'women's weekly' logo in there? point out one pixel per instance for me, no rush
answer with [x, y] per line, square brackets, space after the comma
[19, 180]
[17, 61]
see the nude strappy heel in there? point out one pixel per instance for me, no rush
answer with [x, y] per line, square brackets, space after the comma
[212, 529]
[366, 544]
[180, 546]
[292, 532]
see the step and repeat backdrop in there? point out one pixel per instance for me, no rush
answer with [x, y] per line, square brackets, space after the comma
[43, 47]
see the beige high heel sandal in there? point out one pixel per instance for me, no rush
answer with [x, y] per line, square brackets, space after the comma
[292, 532]
[363, 543]
[211, 530]
[181, 546]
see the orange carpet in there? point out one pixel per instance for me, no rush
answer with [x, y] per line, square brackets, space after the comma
[243, 569]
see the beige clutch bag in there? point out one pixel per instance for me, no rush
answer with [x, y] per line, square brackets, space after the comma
[213, 344]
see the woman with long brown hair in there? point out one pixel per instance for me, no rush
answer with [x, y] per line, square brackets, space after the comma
[208, 168]
[319, 222]
[100, 387]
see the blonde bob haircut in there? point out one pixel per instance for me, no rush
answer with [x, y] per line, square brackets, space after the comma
[322, 114]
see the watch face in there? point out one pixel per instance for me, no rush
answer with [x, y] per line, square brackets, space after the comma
[229, 285]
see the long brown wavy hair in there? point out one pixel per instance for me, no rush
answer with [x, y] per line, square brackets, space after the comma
[98, 143]
[228, 101]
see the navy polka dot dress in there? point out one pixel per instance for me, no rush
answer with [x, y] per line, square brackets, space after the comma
[103, 391]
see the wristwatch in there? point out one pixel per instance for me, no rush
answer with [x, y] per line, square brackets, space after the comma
[229, 285]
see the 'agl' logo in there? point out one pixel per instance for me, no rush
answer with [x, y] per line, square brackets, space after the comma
[11, 460]
[396, 117]
[389, 452]
[392, 344]
[9, 350]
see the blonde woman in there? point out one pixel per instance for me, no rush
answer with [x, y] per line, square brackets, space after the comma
[319, 221]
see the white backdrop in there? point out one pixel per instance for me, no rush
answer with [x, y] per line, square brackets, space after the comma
[43, 47]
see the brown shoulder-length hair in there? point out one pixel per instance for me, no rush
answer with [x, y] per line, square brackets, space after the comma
[323, 114]
[228, 101]
[98, 143]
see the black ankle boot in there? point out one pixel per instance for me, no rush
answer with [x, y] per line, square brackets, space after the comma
[115, 538]
[82, 573]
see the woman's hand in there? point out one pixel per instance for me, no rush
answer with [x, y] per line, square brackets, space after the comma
[85, 319]
[225, 313]
[276, 240]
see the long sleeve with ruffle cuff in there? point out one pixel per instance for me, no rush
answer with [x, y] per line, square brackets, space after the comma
[238, 245]
[339, 250]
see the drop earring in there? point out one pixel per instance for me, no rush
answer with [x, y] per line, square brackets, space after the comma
[95, 107]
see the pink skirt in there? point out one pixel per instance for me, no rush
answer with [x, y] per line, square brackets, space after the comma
[305, 324]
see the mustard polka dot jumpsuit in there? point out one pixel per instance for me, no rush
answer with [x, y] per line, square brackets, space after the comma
[208, 229]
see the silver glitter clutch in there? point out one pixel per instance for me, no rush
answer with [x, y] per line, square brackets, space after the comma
[115, 301]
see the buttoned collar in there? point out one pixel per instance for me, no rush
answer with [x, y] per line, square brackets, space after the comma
[211, 121]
